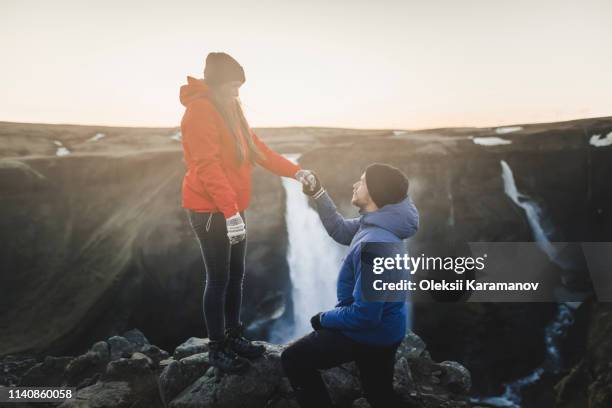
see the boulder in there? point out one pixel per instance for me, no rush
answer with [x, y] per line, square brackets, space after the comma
[193, 345]
[49, 373]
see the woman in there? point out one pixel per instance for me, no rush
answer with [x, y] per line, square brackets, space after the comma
[219, 150]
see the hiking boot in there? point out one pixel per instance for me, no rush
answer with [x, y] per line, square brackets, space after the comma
[221, 356]
[242, 346]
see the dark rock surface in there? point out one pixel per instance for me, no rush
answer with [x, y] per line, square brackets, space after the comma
[186, 380]
[589, 382]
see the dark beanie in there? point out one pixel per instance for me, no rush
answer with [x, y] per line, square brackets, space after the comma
[221, 68]
[386, 184]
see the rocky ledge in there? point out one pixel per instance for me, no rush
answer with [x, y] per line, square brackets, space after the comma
[128, 371]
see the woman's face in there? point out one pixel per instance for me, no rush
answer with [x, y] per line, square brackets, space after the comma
[229, 90]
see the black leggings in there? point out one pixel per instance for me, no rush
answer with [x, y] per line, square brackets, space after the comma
[224, 272]
[327, 348]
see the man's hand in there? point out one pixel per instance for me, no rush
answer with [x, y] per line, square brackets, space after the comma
[315, 322]
[313, 187]
[236, 230]
[306, 177]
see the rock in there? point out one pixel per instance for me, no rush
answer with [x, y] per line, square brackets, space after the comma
[177, 375]
[136, 337]
[12, 368]
[282, 402]
[257, 384]
[84, 366]
[141, 356]
[121, 347]
[456, 377]
[342, 384]
[193, 345]
[600, 392]
[155, 353]
[285, 387]
[263, 384]
[115, 394]
[49, 373]
[194, 366]
[136, 382]
[411, 347]
[102, 349]
[403, 382]
[588, 382]
[164, 363]
[199, 394]
[89, 381]
[361, 403]
[251, 389]
[171, 382]
[571, 390]
[128, 368]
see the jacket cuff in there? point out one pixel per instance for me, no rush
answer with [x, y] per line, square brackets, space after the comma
[322, 319]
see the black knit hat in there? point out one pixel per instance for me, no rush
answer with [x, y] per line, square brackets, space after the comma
[221, 68]
[386, 184]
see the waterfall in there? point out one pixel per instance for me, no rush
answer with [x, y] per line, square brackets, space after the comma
[314, 261]
[555, 330]
[533, 212]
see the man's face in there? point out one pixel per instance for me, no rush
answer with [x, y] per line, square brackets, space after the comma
[361, 196]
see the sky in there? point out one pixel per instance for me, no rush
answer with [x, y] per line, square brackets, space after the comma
[358, 64]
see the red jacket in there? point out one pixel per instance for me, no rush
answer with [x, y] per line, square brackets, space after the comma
[214, 180]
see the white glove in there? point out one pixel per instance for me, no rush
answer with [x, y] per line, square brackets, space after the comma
[236, 230]
[306, 177]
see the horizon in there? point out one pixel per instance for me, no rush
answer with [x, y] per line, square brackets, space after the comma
[411, 65]
[97, 125]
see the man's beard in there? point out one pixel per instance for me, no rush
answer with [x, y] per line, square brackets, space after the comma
[355, 201]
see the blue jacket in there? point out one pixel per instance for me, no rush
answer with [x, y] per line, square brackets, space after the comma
[376, 323]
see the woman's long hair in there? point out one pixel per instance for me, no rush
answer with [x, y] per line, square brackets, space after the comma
[231, 111]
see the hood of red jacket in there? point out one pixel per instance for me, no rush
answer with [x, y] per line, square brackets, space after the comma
[195, 89]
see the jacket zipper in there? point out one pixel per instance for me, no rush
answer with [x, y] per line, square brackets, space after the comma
[208, 222]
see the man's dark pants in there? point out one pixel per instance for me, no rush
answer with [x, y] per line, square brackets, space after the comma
[327, 348]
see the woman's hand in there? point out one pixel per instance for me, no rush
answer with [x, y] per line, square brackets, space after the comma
[236, 230]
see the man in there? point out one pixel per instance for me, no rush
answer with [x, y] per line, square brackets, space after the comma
[355, 330]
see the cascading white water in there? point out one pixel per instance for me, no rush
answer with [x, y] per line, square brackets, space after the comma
[532, 211]
[314, 261]
[556, 330]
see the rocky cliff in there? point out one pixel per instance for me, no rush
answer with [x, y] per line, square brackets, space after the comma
[95, 242]
[127, 371]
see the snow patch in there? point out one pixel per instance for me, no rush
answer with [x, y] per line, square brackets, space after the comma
[177, 136]
[62, 151]
[399, 132]
[490, 141]
[97, 137]
[598, 141]
[507, 129]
